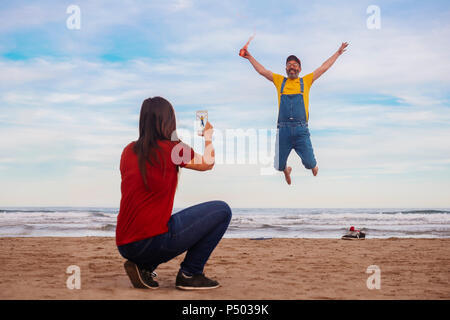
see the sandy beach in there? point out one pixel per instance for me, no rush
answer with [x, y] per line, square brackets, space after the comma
[280, 269]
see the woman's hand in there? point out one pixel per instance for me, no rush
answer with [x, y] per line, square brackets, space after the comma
[208, 131]
[206, 161]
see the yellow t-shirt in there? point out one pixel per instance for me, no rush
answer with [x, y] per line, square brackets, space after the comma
[293, 87]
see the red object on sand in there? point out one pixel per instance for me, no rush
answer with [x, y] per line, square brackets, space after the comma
[244, 48]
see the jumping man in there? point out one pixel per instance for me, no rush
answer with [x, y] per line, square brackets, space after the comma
[293, 98]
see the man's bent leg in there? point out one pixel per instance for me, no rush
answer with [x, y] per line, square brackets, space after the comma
[283, 147]
[304, 149]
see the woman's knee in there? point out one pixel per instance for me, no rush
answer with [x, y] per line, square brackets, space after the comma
[224, 209]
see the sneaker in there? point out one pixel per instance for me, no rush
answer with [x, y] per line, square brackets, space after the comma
[194, 282]
[140, 278]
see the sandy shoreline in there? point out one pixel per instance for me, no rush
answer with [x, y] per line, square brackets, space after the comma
[280, 269]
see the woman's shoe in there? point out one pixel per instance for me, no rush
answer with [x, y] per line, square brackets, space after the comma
[140, 278]
[194, 282]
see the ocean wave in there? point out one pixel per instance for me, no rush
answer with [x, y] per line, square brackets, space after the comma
[417, 212]
[268, 222]
[108, 227]
[26, 211]
[61, 210]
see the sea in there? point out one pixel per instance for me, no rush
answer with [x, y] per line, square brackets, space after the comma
[254, 223]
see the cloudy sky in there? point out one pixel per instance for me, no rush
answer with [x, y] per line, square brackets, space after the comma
[379, 118]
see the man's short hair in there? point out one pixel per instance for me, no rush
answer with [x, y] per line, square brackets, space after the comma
[293, 58]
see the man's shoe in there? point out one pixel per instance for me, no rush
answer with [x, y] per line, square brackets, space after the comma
[140, 278]
[194, 282]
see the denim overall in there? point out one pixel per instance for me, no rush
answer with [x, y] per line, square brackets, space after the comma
[292, 130]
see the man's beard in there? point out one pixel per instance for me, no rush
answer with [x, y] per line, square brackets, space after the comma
[293, 75]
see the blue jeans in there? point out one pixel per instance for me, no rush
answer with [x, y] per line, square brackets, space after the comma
[197, 230]
[293, 136]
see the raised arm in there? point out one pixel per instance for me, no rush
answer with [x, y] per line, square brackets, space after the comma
[258, 67]
[206, 161]
[327, 64]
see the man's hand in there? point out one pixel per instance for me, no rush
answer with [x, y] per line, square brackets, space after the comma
[246, 54]
[341, 49]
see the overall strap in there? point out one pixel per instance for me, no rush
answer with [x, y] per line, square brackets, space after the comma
[301, 85]
[282, 85]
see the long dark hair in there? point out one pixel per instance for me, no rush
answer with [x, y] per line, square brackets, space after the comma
[157, 122]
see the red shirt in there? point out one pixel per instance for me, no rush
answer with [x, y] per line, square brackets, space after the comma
[144, 213]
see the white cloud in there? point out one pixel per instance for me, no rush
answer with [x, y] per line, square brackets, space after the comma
[181, 4]
[86, 111]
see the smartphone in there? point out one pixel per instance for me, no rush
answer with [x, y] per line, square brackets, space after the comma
[201, 118]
